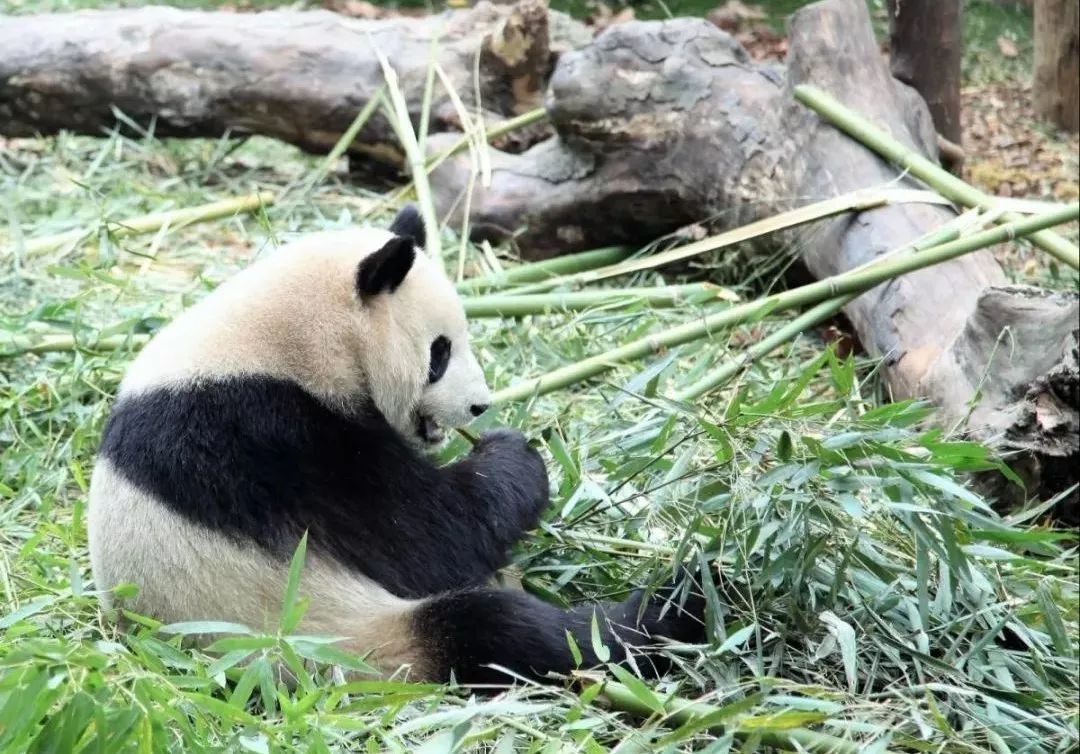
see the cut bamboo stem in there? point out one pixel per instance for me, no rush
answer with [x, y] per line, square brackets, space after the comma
[658, 297]
[398, 114]
[151, 223]
[735, 366]
[854, 201]
[51, 343]
[854, 281]
[679, 711]
[948, 185]
[501, 128]
[347, 138]
[478, 307]
[548, 268]
[753, 353]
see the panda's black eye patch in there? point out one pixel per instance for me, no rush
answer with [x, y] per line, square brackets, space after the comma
[440, 358]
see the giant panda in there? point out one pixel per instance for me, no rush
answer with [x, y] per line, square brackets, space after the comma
[301, 396]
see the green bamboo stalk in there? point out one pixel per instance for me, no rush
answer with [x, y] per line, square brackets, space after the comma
[478, 307]
[494, 132]
[854, 281]
[20, 345]
[732, 367]
[680, 711]
[151, 223]
[548, 268]
[657, 297]
[398, 114]
[347, 138]
[854, 201]
[948, 185]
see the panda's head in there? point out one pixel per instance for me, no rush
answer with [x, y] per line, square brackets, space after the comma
[415, 354]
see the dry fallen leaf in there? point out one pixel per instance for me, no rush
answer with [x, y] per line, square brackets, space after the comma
[731, 15]
[1007, 47]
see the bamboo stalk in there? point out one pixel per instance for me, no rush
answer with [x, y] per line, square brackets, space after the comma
[50, 343]
[548, 268]
[478, 307]
[347, 138]
[176, 218]
[854, 201]
[763, 347]
[948, 185]
[732, 367]
[512, 305]
[495, 131]
[398, 114]
[853, 281]
[680, 711]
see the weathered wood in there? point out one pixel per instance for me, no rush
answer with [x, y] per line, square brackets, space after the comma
[659, 125]
[925, 52]
[949, 332]
[1057, 62]
[298, 76]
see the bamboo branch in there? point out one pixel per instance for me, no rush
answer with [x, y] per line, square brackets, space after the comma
[398, 115]
[948, 185]
[679, 711]
[658, 297]
[548, 268]
[347, 138]
[177, 218]
[20, 345]
[854, 201]
[854, 281]
[501, 128]
[478, 307]
[492, 132]
[733, 367]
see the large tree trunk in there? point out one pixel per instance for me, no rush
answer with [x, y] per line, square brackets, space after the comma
[656, 125]
[925, 51]
[1057, 62]
[298, 76]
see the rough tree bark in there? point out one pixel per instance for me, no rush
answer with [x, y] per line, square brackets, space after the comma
[925, 51]
[657, 125]
[1057, 62]
[298, 76]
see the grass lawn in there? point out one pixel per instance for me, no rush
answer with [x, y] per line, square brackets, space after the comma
[859, 589]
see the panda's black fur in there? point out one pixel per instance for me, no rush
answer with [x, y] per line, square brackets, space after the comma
[287, 463]
[222, 472]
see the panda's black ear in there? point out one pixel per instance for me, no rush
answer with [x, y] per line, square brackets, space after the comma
[410, 224]
[383, 271]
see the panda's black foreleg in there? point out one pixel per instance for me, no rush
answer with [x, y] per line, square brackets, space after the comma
[503, 481]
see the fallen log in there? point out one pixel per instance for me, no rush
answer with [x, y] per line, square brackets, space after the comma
[299, 76]
[657, 125]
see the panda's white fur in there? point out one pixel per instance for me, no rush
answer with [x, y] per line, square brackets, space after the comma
[292, 399]
[294, 315]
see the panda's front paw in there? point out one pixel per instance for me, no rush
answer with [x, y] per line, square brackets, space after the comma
[511, 457]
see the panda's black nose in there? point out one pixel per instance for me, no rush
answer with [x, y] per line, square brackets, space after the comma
[476, 409]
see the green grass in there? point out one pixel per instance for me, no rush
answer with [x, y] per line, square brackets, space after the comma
[859, 587]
